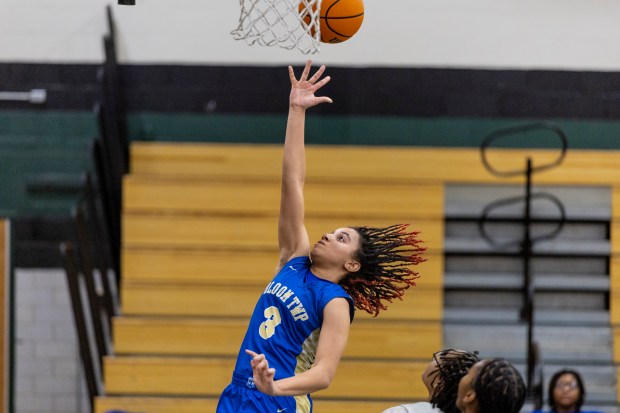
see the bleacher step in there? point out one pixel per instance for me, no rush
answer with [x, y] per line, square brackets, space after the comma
[505, 316]
[204, 266]
[543, 300]
[208, 404]
[592, 248]
[580, 202]
[161, 194]
[207, 377]
[514, 281]
[180, 336]
[420, 303]
[557, 343]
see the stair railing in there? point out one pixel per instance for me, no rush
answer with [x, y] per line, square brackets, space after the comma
[111, 149]
[94, 255]
[79, 303]
[534, 374]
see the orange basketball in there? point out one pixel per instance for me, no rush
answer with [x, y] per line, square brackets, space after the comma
[340, 19]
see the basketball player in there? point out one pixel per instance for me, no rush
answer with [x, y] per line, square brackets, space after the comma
[300, 325]
[491, 386]
[441, 378]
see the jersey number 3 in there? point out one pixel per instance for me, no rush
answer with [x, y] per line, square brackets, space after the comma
[268, 327]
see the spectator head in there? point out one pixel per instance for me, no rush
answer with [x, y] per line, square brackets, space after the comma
[566, 391]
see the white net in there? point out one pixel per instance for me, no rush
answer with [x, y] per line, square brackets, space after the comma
[290, 24]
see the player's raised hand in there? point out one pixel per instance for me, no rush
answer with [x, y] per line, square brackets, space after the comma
[262, 374]
[304, 88]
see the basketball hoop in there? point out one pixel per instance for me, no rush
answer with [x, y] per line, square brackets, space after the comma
[290, 24]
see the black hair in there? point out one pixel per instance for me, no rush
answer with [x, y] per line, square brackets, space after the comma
[499, 387]
[554, 380]
[385, 256]
[452, 365]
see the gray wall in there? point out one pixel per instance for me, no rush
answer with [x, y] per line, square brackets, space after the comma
[48, 373]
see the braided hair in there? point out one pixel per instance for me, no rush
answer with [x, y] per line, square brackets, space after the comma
[385, 256]
[452, 365]
[580, 384]
[499, 387]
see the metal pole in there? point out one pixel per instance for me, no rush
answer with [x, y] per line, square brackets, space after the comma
[528, 285]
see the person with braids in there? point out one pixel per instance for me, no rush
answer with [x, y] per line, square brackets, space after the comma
[300, 325]
[491, 386]
[441, 378]
[567, 393]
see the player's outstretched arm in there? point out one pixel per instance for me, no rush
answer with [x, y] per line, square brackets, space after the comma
[292, 235]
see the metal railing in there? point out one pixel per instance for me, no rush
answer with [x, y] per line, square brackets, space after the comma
[92, 259]
[34, 96]
[534, 374]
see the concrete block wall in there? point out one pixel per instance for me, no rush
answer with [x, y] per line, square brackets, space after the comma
[48, 371]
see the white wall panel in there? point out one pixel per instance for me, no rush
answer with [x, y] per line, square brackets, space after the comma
[518, 34]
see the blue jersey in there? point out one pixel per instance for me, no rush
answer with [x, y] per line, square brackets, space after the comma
[286, 322]
[581, 411]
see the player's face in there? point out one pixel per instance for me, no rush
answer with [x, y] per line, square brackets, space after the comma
[337, 248]
[429, 376]
[466, 386]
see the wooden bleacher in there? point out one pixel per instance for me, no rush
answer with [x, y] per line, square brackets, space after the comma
[185, 308]
[364, 164]
[202, 405]
[188, 208]
[222, 336]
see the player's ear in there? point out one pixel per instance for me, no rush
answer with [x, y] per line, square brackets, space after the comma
[352, 266]
[470, 397]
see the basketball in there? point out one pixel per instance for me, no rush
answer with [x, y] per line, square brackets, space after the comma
[340, 19]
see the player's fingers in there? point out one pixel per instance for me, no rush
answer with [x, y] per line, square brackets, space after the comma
[259, 359]
[320, 83]
[318, 74]
[306, 71]
[291, 75]
[256, 358]
[262, 365]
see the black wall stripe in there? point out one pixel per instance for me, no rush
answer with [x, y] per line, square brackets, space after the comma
[359, 91]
